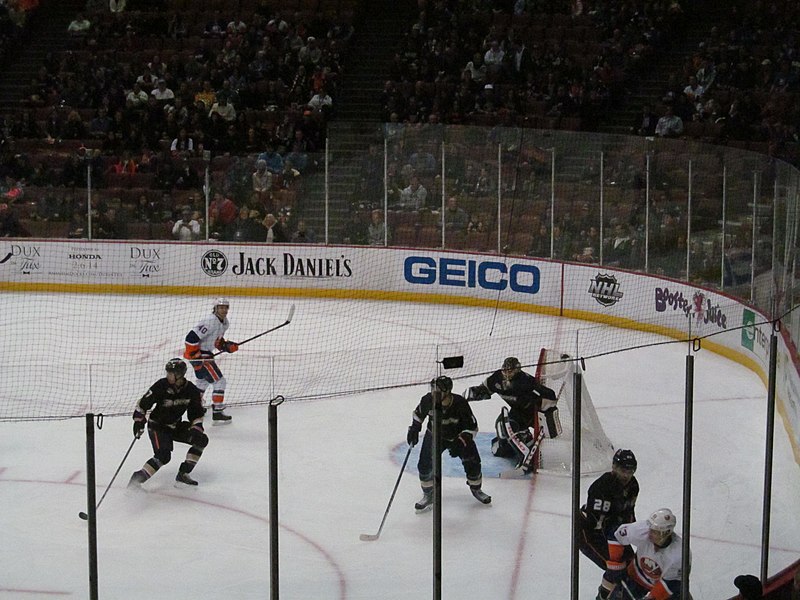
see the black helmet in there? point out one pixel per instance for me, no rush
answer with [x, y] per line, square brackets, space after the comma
[512, 362]
[177, 366]
[625, 459]
[443, 384]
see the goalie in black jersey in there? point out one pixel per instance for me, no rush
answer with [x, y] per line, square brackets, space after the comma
[167, 400]
[611, 502]
[459, 428]
[526, 396]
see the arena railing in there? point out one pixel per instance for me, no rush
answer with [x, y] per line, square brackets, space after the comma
[720, 217]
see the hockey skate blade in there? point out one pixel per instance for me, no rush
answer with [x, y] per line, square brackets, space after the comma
[518, 473]
[182, 486]
[421, 511]
[218, 423]
[368, 537]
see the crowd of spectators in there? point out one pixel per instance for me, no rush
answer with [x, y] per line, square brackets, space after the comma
[144, 101]
[740, 85]
[557, 64]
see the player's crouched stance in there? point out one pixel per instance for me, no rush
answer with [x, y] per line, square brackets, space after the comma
[167, 400]
[526, 396]
[459, 428]
[655, 571]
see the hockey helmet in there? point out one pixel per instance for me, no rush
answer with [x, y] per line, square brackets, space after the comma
[662, 521]
[220, 302]
[625, 459]
[176, 366]
[443, 384]
[512, 362]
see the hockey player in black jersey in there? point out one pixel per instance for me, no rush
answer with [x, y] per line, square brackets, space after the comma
[611, 502]
[167, 400]
[525, 396]
[459, 428]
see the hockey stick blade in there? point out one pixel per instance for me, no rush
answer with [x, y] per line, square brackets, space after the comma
[368, 537]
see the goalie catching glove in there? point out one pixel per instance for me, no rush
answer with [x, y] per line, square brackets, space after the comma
[225, 346]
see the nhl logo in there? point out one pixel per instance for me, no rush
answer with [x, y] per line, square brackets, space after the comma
[605, 289]
[214, 263]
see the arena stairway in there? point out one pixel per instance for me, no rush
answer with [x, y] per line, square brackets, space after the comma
[378, 31]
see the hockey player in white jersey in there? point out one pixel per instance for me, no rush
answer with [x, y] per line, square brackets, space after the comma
[655, 571]
[209, 335]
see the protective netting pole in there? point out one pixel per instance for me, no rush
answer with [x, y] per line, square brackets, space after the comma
[91, 506]
[436, 453]
[576, 478]
[272, 426]
[688, 416]
[768, 454]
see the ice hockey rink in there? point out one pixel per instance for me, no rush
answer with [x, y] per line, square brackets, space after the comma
[339, 459]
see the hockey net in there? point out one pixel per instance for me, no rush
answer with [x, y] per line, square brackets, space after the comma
[556, 371]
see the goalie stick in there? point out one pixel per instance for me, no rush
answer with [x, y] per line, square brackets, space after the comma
[250, 339]
[366, 537]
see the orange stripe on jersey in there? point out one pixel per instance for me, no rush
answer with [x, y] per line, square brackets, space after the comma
[660, 591]
[615, 551]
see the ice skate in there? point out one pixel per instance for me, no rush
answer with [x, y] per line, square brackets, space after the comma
[218, 417]
[425, 503]
[481, 496]
[136, 480]
[183, 480]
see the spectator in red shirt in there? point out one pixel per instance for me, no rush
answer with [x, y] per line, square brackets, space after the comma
[227, 211]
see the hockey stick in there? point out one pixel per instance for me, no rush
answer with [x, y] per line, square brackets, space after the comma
[522, 468]
[627, 589]
[366, 537]
[250, 339]
[82, 514]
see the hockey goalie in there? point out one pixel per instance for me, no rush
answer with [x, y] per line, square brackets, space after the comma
[517, 427]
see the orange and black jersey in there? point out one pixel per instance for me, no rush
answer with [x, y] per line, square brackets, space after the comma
[168, 403]
[456, 418]
[609, 504]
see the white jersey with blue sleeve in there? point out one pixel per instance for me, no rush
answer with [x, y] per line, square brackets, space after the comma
[654, 568]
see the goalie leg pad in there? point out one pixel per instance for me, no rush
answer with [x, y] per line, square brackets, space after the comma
[552, 422]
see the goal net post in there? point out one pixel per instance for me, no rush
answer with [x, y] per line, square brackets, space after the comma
[556, 370]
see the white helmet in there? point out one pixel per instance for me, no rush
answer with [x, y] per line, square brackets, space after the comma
[220, 302]
[662, 520]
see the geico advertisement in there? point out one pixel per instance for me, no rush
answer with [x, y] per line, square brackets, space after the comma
[493, 275]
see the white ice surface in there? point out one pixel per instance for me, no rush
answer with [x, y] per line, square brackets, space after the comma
[337, 465]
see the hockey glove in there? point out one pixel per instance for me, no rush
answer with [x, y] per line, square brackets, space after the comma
[138, 428]
[412, 437]
[460, 443]
[231, 347]
[191, 351]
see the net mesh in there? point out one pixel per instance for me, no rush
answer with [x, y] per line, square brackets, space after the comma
[556, 370]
